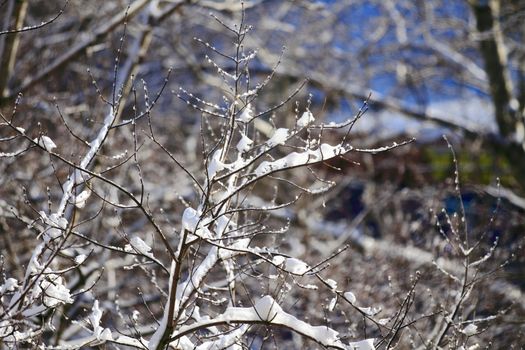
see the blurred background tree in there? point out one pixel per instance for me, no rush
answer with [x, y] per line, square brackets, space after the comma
[455, 65]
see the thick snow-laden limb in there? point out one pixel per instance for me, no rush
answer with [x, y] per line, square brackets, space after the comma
[266, 310]
[56, 223]
[295, 159]
[94, 147]
[49, 285]
[156, 338]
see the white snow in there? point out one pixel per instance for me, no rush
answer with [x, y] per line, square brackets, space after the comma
[222, 224]
[51, 234]
[306, 119]
[367, 344]
[157, 336]
[190, 219]
[370, 311]
[294, 159]
[5, 329]
[215, 164]
[138, 245]
[192, 222]
[99, 332]
[234, 248]
[9, 337]
[350, 297]
[332, 283]
[80, 200]
[247, 114]
[225, 341]
[183, 343]
[94, 147]
[135, 315]
[54, 220]
[331, 306]
[54, 291]
[96, 315]
[56, 225]
[383, 321]
[278, 260]
[296, 266]
[268, 310]
[34, 265]
[45, 142]
[9, 285]
[79, 259]
[49, 287]
[244, 143]
[279, 137]
[106, 335]
[470, 330]
[310, 286]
